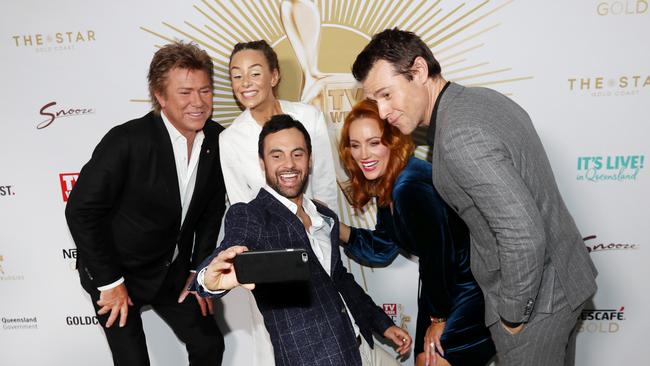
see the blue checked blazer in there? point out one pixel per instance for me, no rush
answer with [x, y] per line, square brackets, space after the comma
[307, 322]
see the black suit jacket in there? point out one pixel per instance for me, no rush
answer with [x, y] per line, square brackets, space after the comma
[124, 212]
[307, 322]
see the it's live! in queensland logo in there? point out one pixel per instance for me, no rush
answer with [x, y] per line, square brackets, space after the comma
[609, 168]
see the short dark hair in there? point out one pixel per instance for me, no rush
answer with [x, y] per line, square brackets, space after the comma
[278, 123]
[176, 55]
[399, 48]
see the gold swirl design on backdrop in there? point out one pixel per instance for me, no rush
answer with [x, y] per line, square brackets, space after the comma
[317, 43]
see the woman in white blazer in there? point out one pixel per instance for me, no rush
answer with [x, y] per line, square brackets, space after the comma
[254, 74]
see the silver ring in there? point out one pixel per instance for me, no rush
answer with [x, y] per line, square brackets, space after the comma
[432, 345]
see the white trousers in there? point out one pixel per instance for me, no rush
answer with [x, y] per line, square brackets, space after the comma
[377, 356]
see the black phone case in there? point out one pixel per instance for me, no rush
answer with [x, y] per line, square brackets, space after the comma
[272, 266]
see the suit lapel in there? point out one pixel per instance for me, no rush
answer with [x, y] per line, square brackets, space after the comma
[295, 226]
[166, 161]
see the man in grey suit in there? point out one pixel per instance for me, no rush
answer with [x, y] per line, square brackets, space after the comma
[490, 166]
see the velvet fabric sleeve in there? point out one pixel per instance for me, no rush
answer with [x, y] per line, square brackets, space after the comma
[373, 247]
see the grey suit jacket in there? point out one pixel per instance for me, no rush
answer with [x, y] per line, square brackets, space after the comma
[490, 166]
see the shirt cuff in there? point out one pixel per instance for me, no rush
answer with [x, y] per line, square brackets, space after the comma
[199, 279]
[111, 285]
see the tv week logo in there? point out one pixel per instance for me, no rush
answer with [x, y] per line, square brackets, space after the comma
[67, 181]
[390, 310]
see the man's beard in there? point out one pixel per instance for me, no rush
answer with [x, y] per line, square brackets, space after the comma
[274, 182]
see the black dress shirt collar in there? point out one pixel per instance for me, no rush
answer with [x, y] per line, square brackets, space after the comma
[431, 131]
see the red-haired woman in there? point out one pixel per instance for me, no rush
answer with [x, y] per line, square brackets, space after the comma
[412, 217]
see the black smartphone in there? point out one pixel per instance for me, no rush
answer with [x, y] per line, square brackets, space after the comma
[271, 266]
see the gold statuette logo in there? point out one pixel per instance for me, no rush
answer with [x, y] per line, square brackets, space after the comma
[317, 43]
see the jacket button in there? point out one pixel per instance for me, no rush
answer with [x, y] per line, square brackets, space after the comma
[344, 311]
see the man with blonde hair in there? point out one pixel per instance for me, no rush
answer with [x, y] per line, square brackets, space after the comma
[146, 210]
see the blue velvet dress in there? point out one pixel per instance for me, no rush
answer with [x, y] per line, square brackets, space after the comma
[422, 224]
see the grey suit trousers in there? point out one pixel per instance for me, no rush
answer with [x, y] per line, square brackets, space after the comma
[546, 340]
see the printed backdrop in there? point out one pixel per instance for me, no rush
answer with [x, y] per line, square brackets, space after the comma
[73, 69]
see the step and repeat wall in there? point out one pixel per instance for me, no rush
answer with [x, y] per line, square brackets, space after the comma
[73, 69]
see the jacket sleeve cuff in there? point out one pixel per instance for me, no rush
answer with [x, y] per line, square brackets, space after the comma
[203, 291]
[111, 285]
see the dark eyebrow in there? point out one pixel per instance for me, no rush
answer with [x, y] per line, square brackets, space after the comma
[378, 91]
[253, 65]
[201, 88]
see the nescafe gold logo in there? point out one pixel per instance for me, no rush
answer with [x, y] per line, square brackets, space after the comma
[622, 7]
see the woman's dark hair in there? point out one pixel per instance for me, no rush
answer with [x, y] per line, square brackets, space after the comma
[262, 46]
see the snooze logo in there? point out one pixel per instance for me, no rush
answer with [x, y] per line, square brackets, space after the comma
[51, 112]
[67, 181]
[601, 320]
[593, 246]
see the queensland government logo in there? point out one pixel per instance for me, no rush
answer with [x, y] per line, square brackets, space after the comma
[599, 246]
[607, 86]
[51, 112]
[601, 320]
[23, 322]
[317, 43]
[67, 182]
[622, 7]
[54, 41]
[609, 168]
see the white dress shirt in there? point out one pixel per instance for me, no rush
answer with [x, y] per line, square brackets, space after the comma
[186, 168]
[240, 161]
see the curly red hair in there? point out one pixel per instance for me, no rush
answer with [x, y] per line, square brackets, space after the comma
[401, 148]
